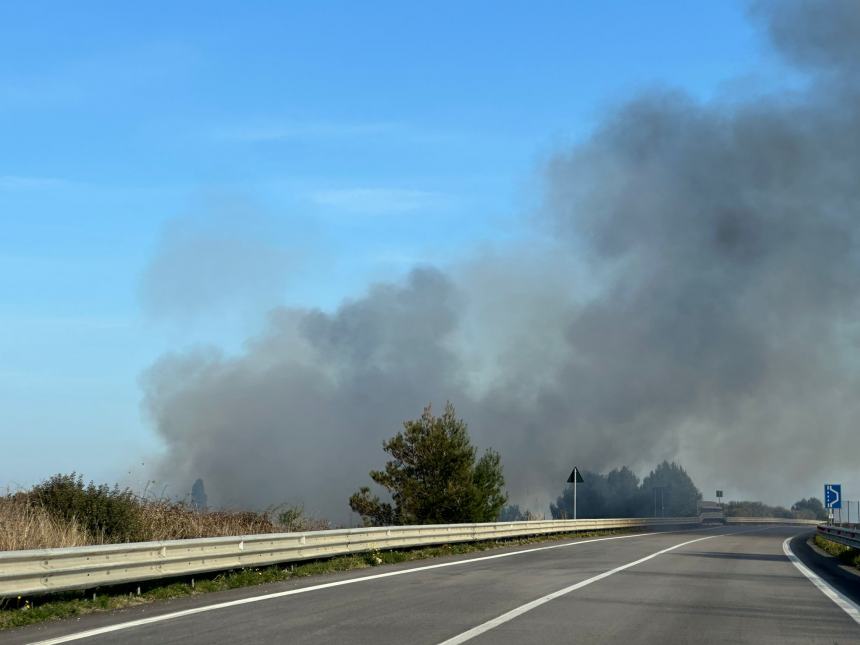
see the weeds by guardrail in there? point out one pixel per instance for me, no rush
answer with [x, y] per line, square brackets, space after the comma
[63, 512]
[844, 535]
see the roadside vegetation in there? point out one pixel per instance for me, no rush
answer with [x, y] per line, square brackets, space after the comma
[434, 476]
[64, 511]
[846, 554]
[25, 524]
[18, 612]
[666, 491]
[804, 509]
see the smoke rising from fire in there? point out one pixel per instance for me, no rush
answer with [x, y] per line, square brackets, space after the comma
[698, 301]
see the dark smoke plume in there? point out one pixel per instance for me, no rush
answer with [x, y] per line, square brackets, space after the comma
[700, 302]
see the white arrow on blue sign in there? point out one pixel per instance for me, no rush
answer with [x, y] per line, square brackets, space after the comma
[833, 495]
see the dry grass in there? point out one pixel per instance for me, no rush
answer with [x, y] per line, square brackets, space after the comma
[24, 524]
[162, 520]
[170, 521]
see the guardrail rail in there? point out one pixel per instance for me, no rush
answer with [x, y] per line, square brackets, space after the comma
[771, 520]
[845, 535]
[48, 570]
[40, 571]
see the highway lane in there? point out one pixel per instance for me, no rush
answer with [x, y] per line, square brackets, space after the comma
[734, 586]
[735, 589]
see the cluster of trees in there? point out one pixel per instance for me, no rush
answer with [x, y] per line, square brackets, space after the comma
[435, 476]
[667, 491]
[805, 509]
[513, 513]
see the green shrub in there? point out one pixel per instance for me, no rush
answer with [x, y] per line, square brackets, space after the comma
[108, 514]
[434, 476]
[846, 554]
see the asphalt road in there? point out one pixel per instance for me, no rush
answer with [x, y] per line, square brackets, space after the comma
[713, 585]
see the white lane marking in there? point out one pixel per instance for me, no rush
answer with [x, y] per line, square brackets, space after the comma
[522, 609]
[844, 602]
[280, 594]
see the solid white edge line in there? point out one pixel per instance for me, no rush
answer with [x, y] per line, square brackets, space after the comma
[522, 609]
[280, 594]
[842, 601]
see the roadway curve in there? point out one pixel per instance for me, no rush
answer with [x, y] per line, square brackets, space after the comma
[712, 585]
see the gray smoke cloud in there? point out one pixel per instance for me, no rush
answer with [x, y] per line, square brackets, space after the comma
[213, 260]
[699, 302]
[819, 34]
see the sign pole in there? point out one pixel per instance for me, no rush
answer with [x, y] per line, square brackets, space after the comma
[574, 479]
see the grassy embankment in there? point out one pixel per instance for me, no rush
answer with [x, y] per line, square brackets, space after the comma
[63, 511]
[846, 554]
[27, 524]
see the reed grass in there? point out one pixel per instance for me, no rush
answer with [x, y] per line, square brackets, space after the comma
[27, 524]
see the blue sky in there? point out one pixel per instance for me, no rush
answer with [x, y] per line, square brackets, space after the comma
[357, 138]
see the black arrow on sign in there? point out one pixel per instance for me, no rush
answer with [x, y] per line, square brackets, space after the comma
[575, 477]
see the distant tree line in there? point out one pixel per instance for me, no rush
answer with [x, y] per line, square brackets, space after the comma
[805, 509]
[435, 476]
[513, 513]
[666, 491]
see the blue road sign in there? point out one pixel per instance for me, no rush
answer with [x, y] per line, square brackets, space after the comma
[833, 495]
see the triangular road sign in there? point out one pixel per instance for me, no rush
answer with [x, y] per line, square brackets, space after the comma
[574, 476]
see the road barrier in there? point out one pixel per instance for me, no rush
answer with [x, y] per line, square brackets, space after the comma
[49, 570]
[771, 520]
[845, 535]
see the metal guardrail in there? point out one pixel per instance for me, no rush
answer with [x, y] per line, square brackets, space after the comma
[845, 535]
[49, 570]
[770, 520]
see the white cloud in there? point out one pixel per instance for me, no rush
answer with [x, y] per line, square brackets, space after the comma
[306, 130]
[18, 182]
[280, 131]
[377, 201]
